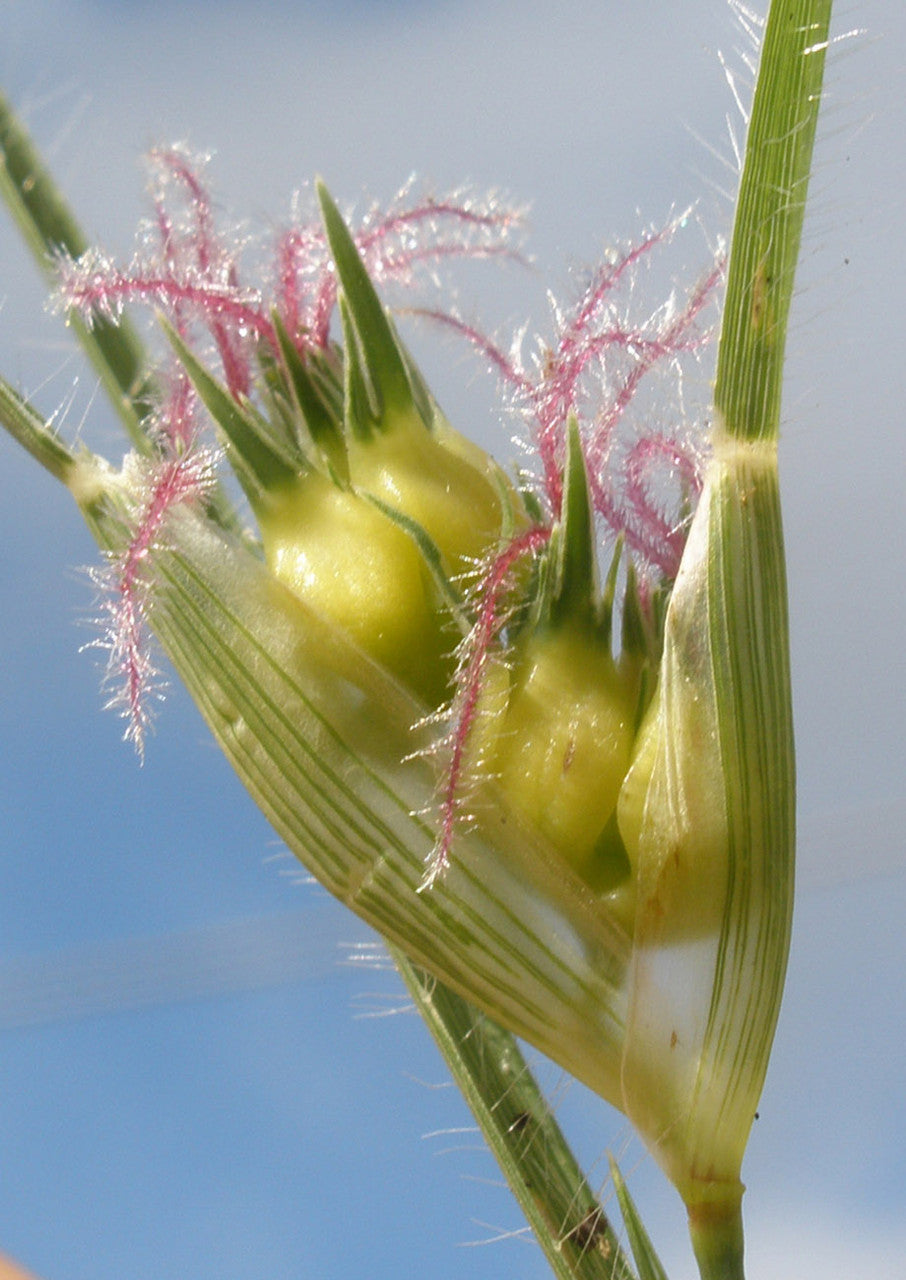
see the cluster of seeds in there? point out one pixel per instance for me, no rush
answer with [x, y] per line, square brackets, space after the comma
[478, 594]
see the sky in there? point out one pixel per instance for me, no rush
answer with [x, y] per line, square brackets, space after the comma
[194, 1079]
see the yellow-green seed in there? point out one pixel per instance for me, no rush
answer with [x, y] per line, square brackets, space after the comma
[350, 562]
[564, 743]
[442, 489]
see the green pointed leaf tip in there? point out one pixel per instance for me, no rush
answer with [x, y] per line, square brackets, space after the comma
[317, 415]
[259, 464]
[434, 477]
[573, 584]
[361, 408]
[646, 1260]
[380, 353]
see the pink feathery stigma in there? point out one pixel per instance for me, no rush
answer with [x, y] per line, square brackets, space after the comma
[177, 165]
[564, 377]
[503, 365]
[209, 257]
[581, 348]
[302, 255]
[214, 264]
[94, 287]
[167, 234]
[173, 481]
[288, 300]
[556, 394]
[608, 276]
[675, 339]
[660, 539]
[176, 416]
[470, 678]
[432, 231]
[434, 211]
[393, 246]
[171, 256]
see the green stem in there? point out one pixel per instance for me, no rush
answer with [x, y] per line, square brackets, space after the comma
[49, 228]
[26, 426]
[769, 215]
[746, 581]
[718, 1245]
[521, 1131]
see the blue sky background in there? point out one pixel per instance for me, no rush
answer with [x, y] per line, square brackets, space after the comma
[186, 1088]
